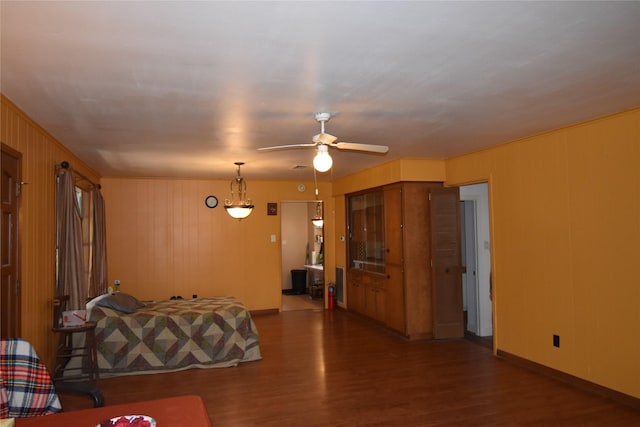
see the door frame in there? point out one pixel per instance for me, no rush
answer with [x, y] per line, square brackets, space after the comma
[14, 257]
[479, 194]
[310, 209]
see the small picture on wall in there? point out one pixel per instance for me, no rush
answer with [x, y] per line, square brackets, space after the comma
[272, 208]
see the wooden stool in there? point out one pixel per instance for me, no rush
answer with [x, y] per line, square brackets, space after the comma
[87, 369]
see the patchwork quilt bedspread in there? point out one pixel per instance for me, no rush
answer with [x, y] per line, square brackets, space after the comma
[174, 335]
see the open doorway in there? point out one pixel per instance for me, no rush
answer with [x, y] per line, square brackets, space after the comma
[302, 256]
[476, 259]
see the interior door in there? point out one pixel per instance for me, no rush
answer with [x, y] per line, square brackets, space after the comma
[10, 277]
[446, 263]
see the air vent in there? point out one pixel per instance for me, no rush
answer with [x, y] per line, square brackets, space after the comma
[340, 284]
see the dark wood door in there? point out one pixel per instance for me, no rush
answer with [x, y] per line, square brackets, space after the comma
[10, 281]
[446, 263]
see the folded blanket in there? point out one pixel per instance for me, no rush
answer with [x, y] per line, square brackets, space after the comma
[28, 388]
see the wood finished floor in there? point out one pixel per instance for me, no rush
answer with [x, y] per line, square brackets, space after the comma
[301, 302]
[324, 368]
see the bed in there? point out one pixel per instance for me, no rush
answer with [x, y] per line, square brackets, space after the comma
[172, 335]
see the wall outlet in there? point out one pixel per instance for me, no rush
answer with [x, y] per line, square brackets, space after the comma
[556, 340]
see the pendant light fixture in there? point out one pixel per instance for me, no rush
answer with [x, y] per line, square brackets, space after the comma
[318, 218]
[239, 206]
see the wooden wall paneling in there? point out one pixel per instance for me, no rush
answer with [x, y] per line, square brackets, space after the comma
[40, 153]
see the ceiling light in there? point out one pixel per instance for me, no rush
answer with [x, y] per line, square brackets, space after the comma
[317, 219]
[322, 162]
[238, 206]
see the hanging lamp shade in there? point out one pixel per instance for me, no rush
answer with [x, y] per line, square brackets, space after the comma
[238, 206]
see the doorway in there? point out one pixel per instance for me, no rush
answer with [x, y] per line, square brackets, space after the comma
[301, 245]
[476, 259]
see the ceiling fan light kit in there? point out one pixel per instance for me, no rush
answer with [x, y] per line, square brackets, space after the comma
[322, 162]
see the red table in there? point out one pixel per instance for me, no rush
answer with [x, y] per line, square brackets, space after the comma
[174, 411]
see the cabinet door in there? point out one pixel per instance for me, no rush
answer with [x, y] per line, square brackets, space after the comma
[393, 225]
[378, 298]
[355, 291]
[369, 299]
[358, 225]
[394, 304]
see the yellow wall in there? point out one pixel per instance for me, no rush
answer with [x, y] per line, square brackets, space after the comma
[565, 223]
[40, 154]
[163, 241]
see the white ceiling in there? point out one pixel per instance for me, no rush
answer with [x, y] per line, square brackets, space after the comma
[185, 89]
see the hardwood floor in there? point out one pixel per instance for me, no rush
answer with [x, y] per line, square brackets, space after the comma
[301, 302]
[324, 368]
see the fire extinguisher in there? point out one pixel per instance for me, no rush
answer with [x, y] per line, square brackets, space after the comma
[332, 296]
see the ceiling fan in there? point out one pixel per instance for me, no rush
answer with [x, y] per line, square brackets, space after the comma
[322, 162]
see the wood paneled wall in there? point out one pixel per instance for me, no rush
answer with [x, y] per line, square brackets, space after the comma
[40, 153]
[163, 241]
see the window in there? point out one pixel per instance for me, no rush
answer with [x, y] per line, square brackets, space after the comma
[83, 198]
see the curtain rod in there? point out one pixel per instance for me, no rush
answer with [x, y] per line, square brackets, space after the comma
[65, 165]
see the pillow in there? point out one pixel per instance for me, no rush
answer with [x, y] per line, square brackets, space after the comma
[122, 302]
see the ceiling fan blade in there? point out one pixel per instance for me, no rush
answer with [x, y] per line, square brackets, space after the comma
[361, 147]
[285, 147]
[324, 138]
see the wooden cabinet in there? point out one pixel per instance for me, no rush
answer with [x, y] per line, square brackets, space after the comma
[355, 290]
[401, 291]
[374, 296]
[366, 293]
[395, 316]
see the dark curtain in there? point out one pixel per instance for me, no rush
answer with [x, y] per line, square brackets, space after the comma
[71, 278]
[98, 284]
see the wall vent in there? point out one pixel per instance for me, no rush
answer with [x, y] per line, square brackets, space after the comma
[340, 284]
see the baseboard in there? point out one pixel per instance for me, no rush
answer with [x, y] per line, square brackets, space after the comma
[574, 381]
[265, 311]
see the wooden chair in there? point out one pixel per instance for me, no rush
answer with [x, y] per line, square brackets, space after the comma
[69, 373]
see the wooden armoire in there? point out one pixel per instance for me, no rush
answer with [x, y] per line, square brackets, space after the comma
[404, 267]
